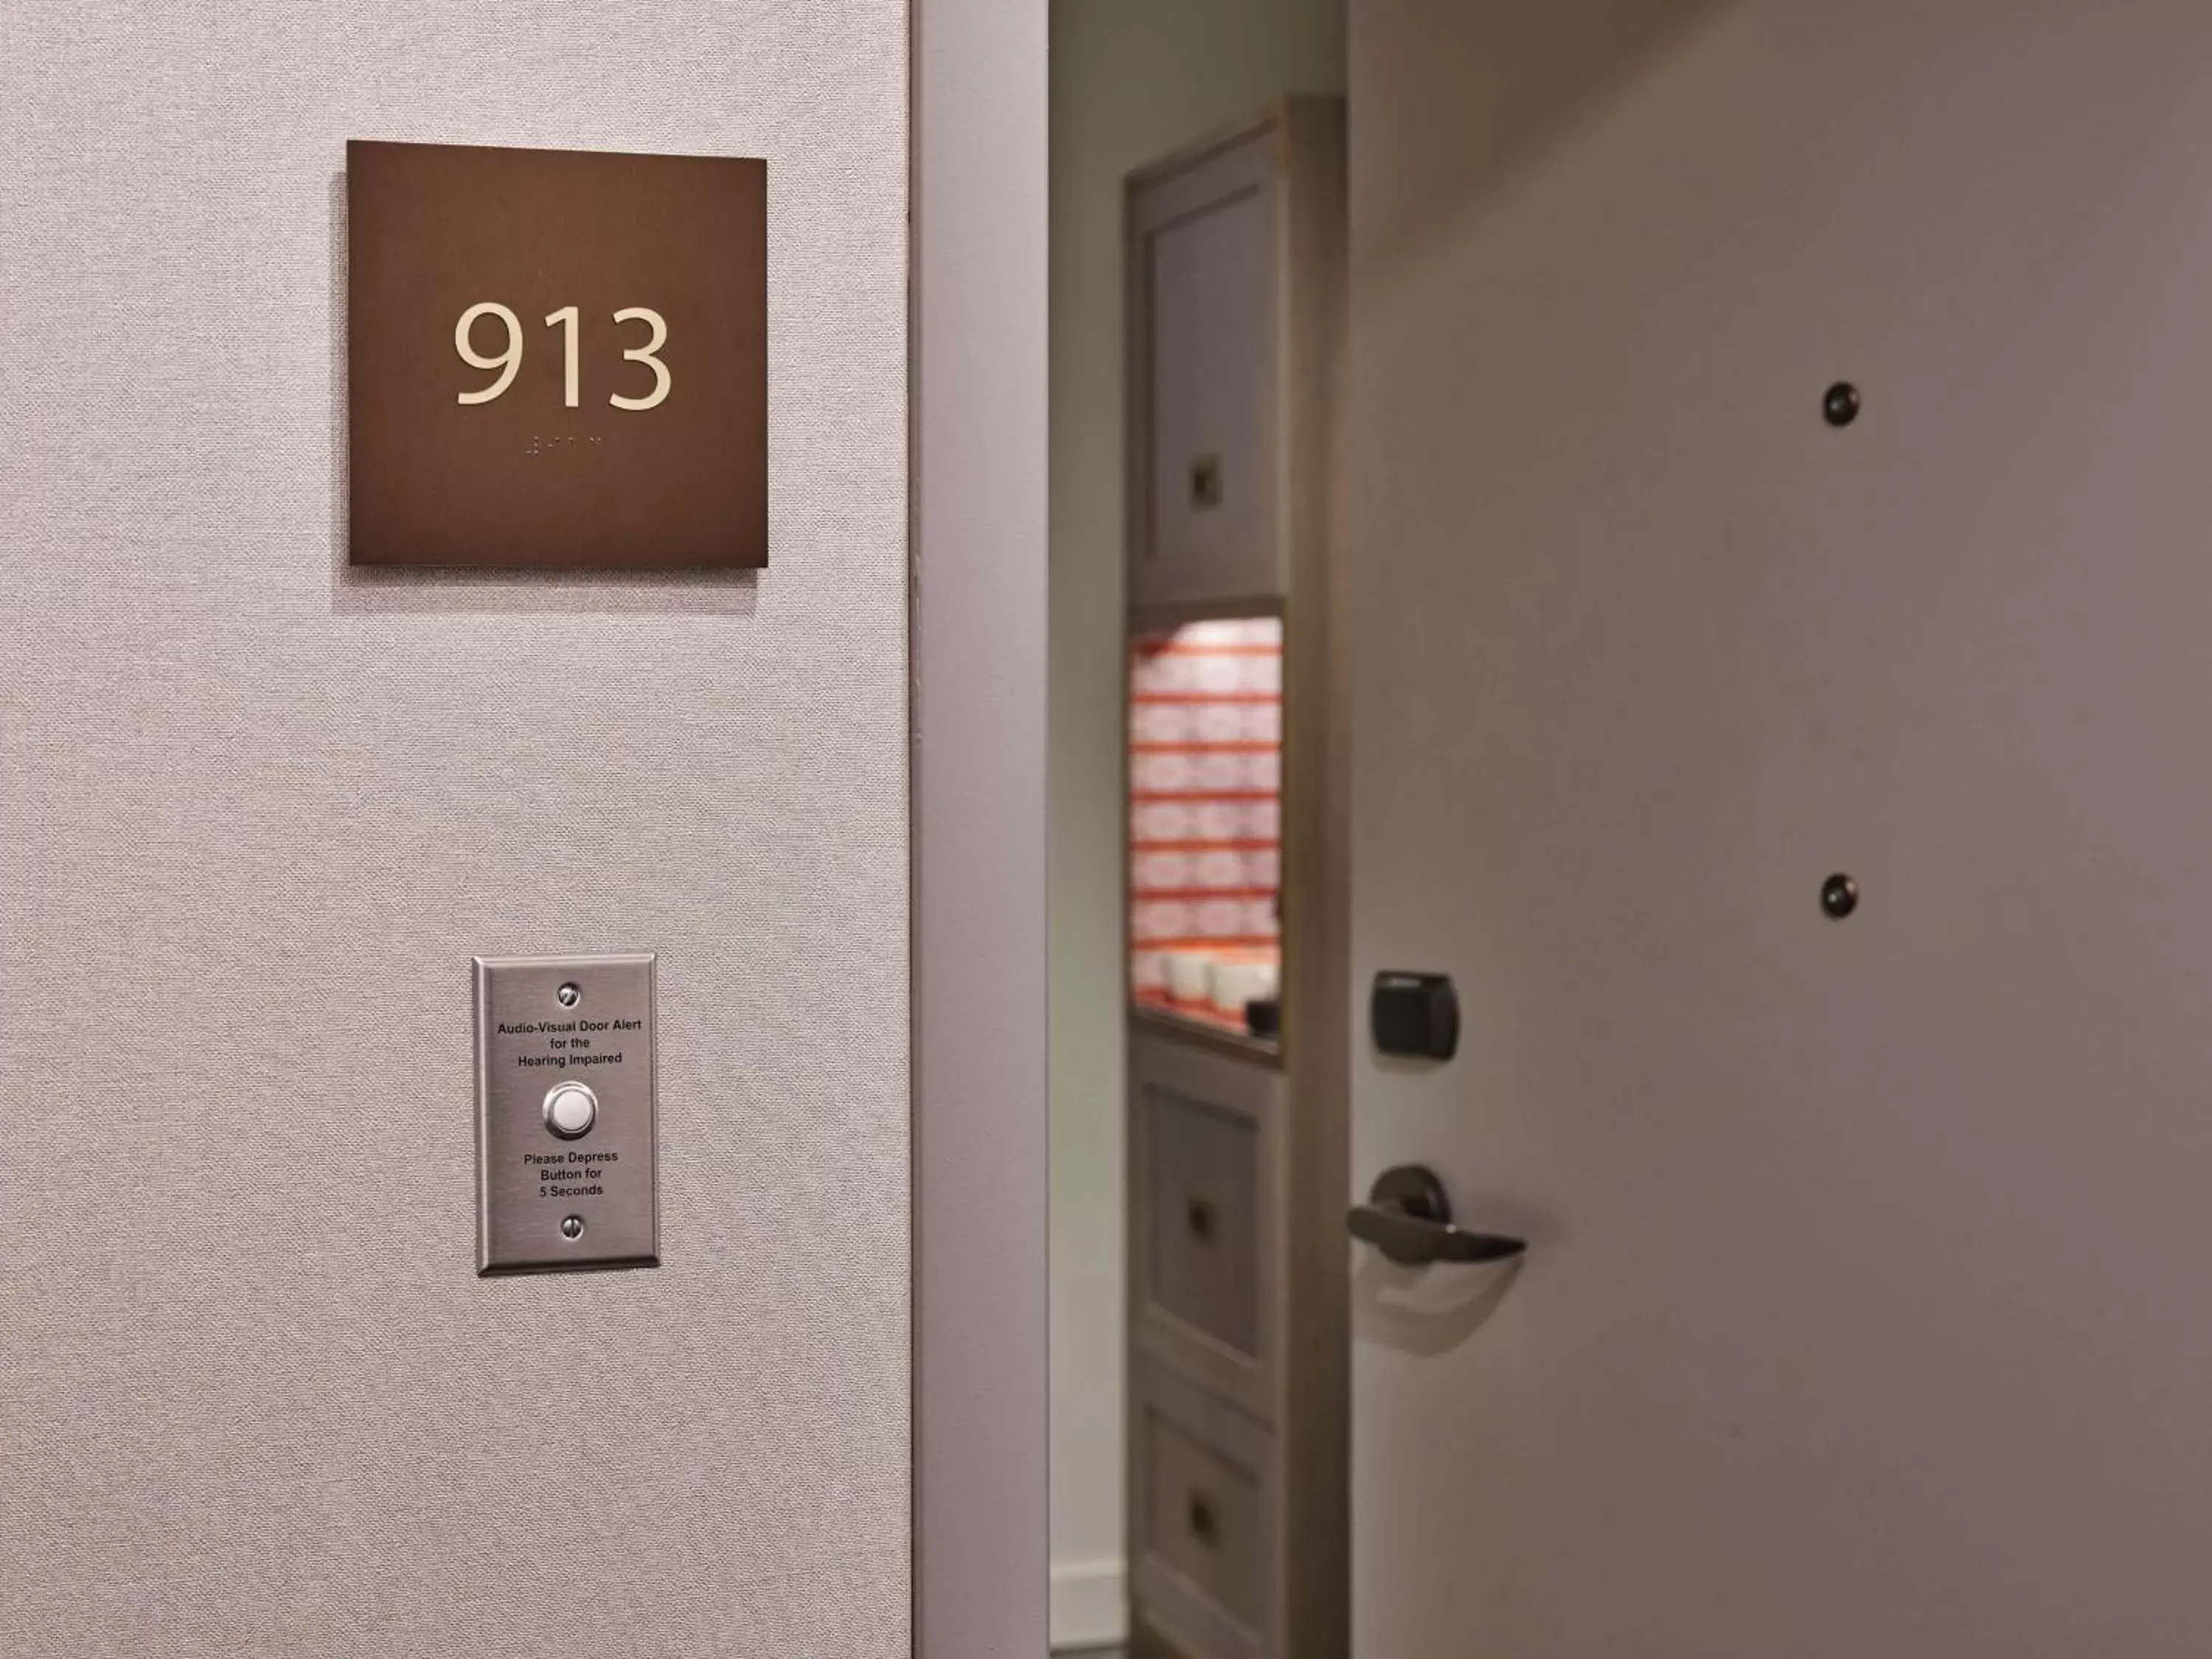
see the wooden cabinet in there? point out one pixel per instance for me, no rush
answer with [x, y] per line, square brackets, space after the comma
[1207, 1561]
[1205, 1154]
[1238, 1166]
[1228, 336]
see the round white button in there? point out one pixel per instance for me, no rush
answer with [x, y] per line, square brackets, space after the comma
[570, 1109]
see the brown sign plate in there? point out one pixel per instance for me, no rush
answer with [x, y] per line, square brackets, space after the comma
[556, 359]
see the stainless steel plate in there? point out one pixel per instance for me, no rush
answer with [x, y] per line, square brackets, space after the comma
[564, 1042]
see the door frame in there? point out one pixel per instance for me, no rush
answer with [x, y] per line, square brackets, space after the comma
[977, 403]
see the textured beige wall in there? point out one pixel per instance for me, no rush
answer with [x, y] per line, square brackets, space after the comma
[258, 813]
[1130, 80]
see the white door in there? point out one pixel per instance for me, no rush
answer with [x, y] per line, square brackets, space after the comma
[1867, 1309]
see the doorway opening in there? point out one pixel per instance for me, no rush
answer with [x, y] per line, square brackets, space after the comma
[1198, 1307]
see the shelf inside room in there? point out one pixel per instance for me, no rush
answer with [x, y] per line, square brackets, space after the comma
[1205, 804]
[1210, 1030]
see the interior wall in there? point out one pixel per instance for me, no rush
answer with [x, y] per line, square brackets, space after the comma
[260, 810]
[1130, 80]
[981, 199]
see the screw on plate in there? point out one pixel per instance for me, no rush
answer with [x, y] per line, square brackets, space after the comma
[1839, 896]
[1840, 404]
[572, 1226]
[569, 994]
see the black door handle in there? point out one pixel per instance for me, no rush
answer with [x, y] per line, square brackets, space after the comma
[1407, 1217]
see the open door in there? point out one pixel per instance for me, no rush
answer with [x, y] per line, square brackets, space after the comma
[1781, 595]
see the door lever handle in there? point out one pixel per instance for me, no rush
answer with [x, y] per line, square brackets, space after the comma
[1407, 1217]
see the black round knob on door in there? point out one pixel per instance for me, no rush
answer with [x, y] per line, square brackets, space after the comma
[1839, 896]
[1839, 404]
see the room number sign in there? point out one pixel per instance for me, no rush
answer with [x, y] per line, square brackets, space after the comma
[556, 359]
[509, 361]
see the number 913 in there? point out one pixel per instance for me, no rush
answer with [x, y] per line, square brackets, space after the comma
[508, 362]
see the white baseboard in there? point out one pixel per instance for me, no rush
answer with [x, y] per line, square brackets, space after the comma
[1090, 1606]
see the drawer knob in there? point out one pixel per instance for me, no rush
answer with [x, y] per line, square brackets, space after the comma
[1204, 482]
[1200, 1216]
[1205, 1525]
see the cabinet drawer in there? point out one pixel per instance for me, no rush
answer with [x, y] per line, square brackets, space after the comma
[1205, 1246]
[1204, 1515]
[1203, 1243]
[1205, 271]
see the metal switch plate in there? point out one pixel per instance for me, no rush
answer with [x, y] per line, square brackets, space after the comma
[563, 1041]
